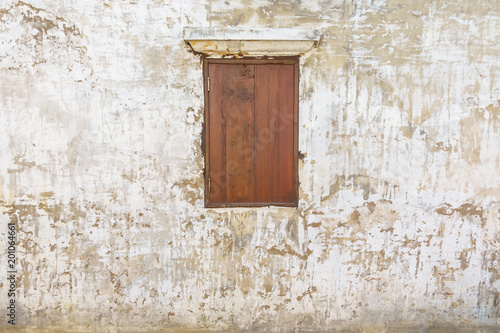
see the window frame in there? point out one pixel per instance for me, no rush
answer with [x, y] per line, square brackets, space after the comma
[291, 60]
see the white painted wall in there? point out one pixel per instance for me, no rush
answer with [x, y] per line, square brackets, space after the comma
[101, 169]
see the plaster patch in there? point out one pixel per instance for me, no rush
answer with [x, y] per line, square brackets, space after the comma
[496, 285]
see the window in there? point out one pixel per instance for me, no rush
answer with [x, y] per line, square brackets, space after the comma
[251, 132]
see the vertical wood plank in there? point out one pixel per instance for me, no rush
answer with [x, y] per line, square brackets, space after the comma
[274, 122]
[286, 134]
[217, 133]
[296, 78]
[239, 113]
[267, 132]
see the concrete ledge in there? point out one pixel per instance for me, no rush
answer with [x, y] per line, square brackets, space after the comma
[252, 42]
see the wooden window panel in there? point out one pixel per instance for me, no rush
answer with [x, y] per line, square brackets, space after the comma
[252, 132]
[274, 139]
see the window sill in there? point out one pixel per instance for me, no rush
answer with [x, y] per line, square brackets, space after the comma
[252, 42]
[249, 205]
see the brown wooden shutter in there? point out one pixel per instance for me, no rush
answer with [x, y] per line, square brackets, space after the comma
[251, 135]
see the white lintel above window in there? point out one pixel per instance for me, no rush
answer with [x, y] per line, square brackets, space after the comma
[252, 42]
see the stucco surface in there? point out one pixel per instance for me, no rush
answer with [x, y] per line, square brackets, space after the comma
[101, 169]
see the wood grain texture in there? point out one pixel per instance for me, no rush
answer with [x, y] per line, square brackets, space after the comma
[274, 119]
[239, 112]
[252, 133]
[217, 134]
[285, 96]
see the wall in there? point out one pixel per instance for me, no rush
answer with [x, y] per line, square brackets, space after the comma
[101, 170]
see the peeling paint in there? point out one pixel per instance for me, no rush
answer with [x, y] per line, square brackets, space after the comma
[102, 171]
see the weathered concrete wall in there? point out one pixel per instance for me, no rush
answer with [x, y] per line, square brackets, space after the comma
[101, 169]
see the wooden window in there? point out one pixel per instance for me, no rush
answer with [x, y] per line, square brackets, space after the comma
[251, 132]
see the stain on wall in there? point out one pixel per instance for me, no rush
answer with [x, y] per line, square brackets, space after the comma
[101, 170]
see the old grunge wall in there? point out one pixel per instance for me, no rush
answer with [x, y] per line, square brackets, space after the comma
[101, 171]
